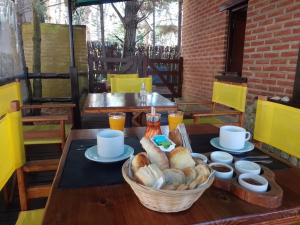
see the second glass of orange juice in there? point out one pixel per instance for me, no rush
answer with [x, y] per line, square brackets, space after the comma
[117, 121]
[175, 118]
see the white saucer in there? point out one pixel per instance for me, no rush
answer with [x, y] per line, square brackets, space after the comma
[247, 148]
[91, 154]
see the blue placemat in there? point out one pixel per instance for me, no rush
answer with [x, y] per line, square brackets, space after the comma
[80, 172]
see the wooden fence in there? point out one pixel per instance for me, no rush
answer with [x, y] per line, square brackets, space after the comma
[162, 62]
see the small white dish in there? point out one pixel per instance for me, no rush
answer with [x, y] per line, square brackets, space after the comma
[247, 148]
[222, 170]
[244, 166]
[222, 157]
[253, 182]
[91, 154]
[199, 156]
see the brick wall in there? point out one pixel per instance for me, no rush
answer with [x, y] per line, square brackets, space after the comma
[271, 46]
[203, 46]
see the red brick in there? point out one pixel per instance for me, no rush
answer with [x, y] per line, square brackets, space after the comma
[295, 23]
[280, 47]
[289, 54]
[274, 75]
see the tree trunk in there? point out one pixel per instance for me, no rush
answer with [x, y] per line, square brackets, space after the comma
[36, 39]
[103, 38]
[130, 25]
[20, 38]
[179, 26]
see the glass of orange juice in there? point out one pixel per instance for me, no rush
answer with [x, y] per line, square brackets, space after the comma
[117, 121]
[175, 118]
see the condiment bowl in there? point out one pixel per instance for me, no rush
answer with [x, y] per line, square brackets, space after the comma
[244, 166]
[253, 182]
[222, 170]
[221, 157]
[199, 156]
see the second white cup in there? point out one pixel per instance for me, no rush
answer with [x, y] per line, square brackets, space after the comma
[233, 137]
[110, 143]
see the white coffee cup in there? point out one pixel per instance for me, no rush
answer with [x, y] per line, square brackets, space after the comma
[110, 143]
[233, 137]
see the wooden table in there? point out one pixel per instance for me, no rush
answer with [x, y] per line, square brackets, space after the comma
[127, 102]
[117, 204]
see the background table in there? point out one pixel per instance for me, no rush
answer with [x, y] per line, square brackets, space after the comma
[117, 204]
[128, 103]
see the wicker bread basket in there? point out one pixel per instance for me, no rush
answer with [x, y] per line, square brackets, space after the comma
[165, 200]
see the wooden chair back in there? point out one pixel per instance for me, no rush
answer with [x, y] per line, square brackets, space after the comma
[130, 85]
[278, 125]
[49, 129]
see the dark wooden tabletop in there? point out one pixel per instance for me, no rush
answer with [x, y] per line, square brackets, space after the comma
[117, 204]
[126, 102]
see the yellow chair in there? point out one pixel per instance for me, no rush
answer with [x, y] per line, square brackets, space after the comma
[130, 85]
[31, 217]
[278, 125]
[228, 99]
[12, 158]
[125, 75]
[49, 129]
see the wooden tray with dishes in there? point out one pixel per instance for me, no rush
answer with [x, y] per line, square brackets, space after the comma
[272, 198]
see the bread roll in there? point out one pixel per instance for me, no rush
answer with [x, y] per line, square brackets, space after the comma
[169, 187]
[148, 175]
[155, 155]
[203, 173]
[180, 158]
[174, 176]
[140, 160]
[190, 174]
[182, 187]
[175, 136]
[202, 169]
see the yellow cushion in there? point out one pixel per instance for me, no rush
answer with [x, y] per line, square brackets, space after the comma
[45, 127]
[130, 85]
[12, 155]
[278, 125]
[125, 75]
[9, 93]
[230, 95]
[31, 217]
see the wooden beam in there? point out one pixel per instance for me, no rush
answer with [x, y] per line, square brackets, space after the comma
[233, 79]
[44, 100]
[231, 4]
[38, 191]
[41, 165]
